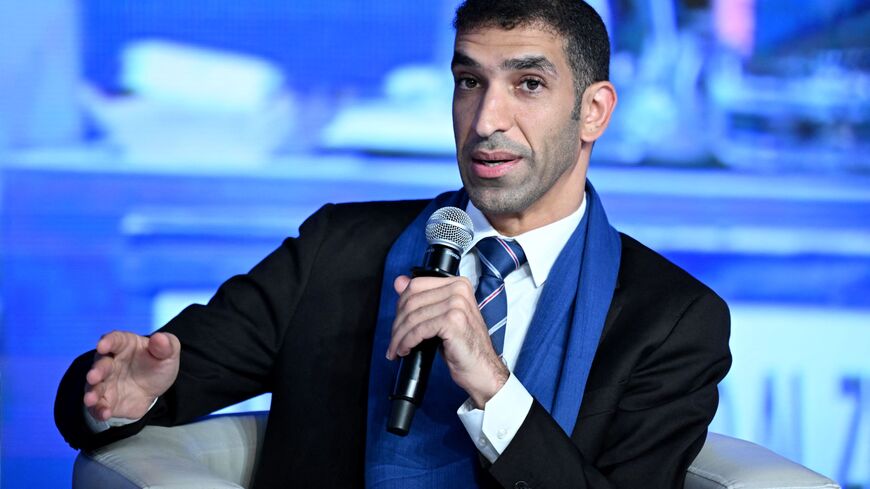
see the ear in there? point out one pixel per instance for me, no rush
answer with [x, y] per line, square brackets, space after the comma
[599, 100]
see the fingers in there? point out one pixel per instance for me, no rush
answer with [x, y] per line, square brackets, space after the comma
[400, 283]
[114, 342]
[408, 337]
[163, 345]
[429, 307]
[423, 291]
[97, 402]
[98, 396]
[92, 395]
[102, 413]
[102, 410]
[96, 388]
[114, 351]
[100, 370]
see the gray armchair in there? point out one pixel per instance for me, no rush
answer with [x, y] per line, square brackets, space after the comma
[221, 452]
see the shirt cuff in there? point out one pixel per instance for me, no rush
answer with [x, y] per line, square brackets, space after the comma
[98, 426]
[493, 427]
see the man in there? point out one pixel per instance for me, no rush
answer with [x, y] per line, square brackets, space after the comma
[604, 376]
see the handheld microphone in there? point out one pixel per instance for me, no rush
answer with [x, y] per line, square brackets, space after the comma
[449, 232]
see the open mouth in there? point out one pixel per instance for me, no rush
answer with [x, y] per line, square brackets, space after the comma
[493, 158]
[493, 164]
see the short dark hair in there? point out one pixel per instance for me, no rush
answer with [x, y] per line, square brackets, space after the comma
[587, 46]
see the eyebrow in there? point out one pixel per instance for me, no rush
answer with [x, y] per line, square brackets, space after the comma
[461, 59]
[531, 62]
[538, 63]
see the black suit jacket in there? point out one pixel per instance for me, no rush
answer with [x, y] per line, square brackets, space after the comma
[301, 323]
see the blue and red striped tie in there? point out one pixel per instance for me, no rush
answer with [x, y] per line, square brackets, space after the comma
[498, 258]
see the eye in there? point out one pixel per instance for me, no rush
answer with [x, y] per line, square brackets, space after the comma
[466, 83]
[532, 84]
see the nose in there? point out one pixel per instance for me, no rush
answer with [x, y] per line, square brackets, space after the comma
[493, 113]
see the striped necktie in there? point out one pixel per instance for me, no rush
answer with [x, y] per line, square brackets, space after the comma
[498, 258]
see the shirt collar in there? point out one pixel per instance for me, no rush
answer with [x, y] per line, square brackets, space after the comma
[541, 245]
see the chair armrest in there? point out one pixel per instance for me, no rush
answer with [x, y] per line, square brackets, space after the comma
[220, 452]
[730, 463]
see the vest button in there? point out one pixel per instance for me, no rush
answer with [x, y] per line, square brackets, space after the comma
[522, 485]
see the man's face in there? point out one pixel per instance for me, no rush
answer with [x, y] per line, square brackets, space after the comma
[516, 140]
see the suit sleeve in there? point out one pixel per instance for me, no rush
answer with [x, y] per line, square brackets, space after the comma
[659, 423]
[228, 347]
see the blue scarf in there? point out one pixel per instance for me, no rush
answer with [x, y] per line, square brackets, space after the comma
[553, 364]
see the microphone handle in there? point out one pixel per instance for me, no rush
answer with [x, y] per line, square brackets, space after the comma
[416, 366]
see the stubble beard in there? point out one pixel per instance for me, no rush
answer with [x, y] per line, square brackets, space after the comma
[513, 194]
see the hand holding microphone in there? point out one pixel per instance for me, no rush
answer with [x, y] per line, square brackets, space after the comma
[438, 308]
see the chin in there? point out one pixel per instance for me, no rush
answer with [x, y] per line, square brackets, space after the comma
[492, 201]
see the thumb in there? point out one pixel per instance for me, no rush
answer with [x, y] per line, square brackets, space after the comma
[401, 283]
[163, 345]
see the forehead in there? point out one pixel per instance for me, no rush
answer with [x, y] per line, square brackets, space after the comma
[492, 45]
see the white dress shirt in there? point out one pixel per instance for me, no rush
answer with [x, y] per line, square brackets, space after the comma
[493, 427]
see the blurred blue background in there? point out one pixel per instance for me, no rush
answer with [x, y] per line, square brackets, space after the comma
[150, 150]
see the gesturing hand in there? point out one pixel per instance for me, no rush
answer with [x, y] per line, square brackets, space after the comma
[129, 372]
[446, 308]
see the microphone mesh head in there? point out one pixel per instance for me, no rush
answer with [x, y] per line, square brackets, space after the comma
[450, 226]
